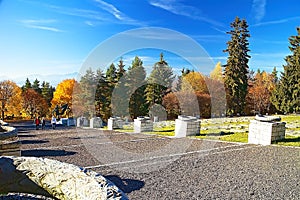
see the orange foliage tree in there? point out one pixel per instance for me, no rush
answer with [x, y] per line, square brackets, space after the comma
[259, 93]
[193, 98]
[63, 94]
[34, 103]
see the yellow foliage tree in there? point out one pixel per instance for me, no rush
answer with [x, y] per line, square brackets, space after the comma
[14, 106]
[10, 98]
[217, 73]
[194, 82]
[63, 94]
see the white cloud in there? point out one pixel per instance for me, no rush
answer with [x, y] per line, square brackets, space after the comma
[179, 8]
[259, 9]
[42, 24]
[280, 21]
[111, 9]
[120, 16]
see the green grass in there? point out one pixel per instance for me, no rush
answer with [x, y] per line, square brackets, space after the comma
[230, 135]
[236, 137]
[224, 136]
[289, 141]
[165, 131]
[290, 118]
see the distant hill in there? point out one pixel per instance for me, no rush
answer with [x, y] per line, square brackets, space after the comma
[53, 79]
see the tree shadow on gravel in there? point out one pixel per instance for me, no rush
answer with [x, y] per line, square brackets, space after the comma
[33, 141]
[46, 152]
[126, 185]
[25, 135]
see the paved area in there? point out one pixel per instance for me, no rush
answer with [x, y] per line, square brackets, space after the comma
[154, 167]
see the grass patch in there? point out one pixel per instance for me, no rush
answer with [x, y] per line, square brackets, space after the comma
[236, 131]
[236, 137]
[164, 131]
[289, 141]
[290, 118]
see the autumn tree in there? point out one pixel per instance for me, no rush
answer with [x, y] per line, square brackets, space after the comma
[286, 96]
[259, 92]
[217, 73]
[194, 82]
[14, 105]
[9, 97]
[34, 103]
[63, 94]
[236, 69]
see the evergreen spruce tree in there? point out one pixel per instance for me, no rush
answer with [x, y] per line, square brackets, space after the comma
[27, 85]
[159, 82]
[119, 102]
[107, 88]
[286, 96]
[102, 97]
[120, 71]
[88, 89]
[36, 86]
[236, 69]
[47, 92]
[135, 84]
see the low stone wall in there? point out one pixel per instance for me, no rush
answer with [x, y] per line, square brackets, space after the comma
[264, 132]
[9, 142]
[53, 178]
[143, 124]
[187, 126]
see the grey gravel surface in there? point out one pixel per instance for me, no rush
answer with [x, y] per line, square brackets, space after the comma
[153, 167]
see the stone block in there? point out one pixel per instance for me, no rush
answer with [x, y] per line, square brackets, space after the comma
[82, 122]
[187, 126]
[96, 122]
[115, 123]
[143, 124]
[265, 132]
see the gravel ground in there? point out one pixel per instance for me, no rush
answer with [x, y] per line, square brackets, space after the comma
[154, 167]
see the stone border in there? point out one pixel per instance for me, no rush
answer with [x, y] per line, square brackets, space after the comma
[9, 142]
[10, 132]
[3, 123]
[53, 178]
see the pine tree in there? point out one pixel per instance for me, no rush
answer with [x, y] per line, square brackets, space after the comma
[286, 97]
[102, 102]
[27, 85]
[236, 69]
[36, 86]
[159, 82]
[88, 89]
[121, 71]
[47, 92]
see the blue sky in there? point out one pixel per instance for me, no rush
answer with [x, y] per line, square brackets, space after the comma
[57, 36]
